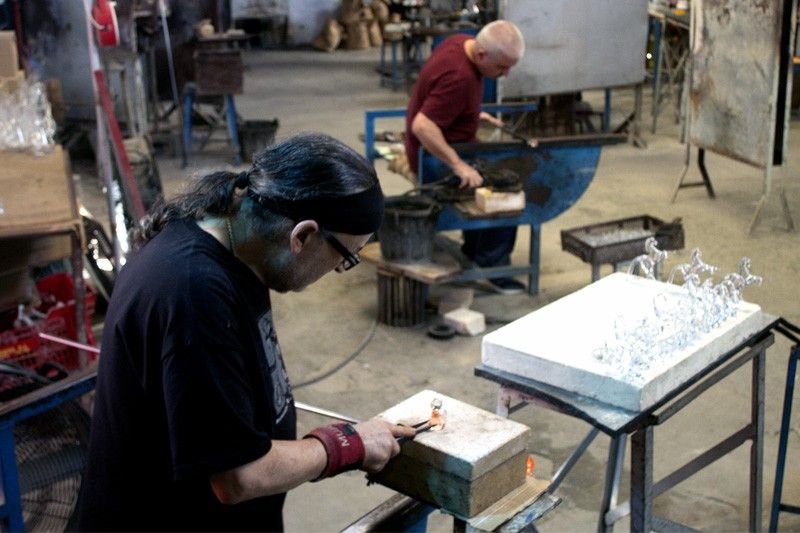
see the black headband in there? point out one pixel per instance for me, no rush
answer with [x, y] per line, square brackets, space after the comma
[355, 214]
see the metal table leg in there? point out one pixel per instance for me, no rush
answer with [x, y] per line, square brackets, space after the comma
[230, 108]
[757, 449]
[786, 419]
[642, 480]
[533, 260]
[188, 102]
[616, 458]
[11, 509]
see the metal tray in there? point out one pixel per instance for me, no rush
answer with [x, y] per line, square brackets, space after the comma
[620, 240]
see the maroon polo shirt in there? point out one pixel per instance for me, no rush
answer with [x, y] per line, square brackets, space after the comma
[449, 91]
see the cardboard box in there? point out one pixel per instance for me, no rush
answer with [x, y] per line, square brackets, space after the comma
[17, 287]
[9, 60]
[474, 461]
[35, 190]
[19, 253]
[10, 85]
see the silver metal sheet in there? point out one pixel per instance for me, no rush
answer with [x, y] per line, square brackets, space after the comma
[732, 98]
[576, 44]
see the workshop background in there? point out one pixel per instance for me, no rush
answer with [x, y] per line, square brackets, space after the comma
[677, 118]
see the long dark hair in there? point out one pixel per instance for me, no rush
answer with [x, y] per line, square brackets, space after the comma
[309, 165]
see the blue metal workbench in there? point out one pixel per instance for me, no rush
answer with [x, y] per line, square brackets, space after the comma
[555, 175]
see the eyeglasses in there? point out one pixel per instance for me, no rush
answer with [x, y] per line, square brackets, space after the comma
[349, 259]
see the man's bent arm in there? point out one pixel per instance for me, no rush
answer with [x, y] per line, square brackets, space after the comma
[432, 138]
[291, 463]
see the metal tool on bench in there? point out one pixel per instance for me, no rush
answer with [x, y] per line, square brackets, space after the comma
[435, 421]
[530, 141]
[448, 190]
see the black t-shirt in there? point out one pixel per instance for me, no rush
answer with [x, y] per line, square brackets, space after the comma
[191, 382]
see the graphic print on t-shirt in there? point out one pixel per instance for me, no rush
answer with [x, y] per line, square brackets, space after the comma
[281, 390]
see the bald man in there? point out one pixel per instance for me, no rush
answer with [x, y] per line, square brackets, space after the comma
[445, 108]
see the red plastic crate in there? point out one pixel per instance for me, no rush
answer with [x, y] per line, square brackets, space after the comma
[22, 345]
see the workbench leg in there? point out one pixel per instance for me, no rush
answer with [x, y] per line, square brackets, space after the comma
[503, 402]
[757, 450]
[233, 130]
[786, 419]
[616, 457]
[658, 43]
[701, 164]
[11, 510]
[636, 124]
[188, 102]
[534, 257]
[642, 480]
[595, 272]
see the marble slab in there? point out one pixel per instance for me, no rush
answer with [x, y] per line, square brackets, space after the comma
[558, 343]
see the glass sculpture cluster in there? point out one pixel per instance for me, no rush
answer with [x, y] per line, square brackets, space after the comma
[26, 119]
[675, 318]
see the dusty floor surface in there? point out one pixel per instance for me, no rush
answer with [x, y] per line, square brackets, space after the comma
[310, 91]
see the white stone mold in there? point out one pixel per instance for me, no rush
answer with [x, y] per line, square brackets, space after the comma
[556, 344]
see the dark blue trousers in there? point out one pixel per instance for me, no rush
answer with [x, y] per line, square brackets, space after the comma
[490, 247]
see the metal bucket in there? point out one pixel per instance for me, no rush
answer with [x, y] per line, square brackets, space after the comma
[409, 225]
[255, 136]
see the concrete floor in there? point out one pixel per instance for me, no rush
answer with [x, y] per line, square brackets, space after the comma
[319, 327]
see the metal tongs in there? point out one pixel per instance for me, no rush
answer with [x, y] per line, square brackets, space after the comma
[435, 421]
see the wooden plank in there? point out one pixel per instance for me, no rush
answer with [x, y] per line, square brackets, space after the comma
[429, 272]
[514, 502]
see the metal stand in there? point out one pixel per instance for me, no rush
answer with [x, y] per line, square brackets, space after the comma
[231, 119]
[791, 375]
[618, 423]
[390, 76]
[701, 164]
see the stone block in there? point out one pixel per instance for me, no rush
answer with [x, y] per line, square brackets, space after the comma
[557, 344]
[474, 461]
[489, 201]
[466, 321]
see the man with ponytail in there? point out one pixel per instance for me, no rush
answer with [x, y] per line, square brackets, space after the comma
[194, 420]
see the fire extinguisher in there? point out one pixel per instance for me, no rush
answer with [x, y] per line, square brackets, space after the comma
[104, 21]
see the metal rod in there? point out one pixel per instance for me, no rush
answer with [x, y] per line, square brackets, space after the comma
[162, 12]
[324, 412]
[757, 449]
[70, 343]
[564, 469]
[641, 502]
[391, 515]
[783, 439]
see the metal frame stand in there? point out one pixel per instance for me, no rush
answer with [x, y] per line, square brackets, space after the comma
[701, 164]
[231, 118]
[791, 375]
[618, 423]
[391, 76]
